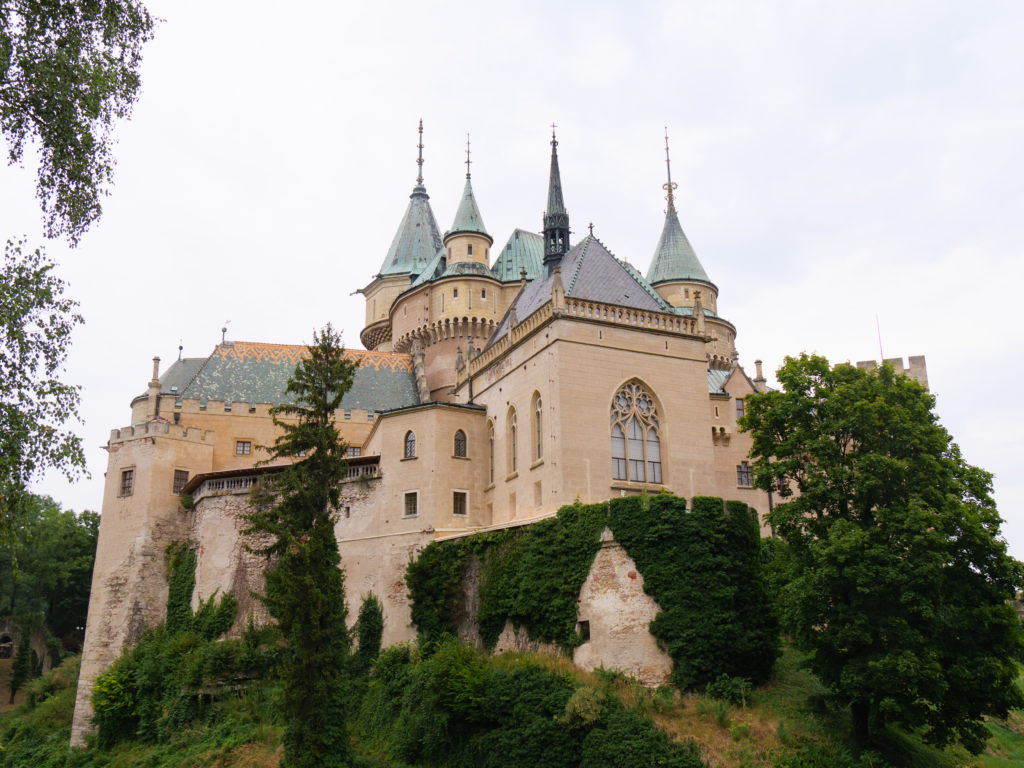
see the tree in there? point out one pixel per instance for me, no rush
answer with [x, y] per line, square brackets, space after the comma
[293, 515]
[36, 321]
[22, 666]
[900, 586]
[68, 70]
[46, 567]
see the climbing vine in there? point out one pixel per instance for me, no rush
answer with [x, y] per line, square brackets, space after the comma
[702, 566]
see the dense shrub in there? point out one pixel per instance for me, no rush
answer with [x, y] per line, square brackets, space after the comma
[457, 708]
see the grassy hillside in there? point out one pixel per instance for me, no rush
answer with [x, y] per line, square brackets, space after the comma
[784, 724]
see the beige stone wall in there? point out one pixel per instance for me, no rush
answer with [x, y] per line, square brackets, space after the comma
[459, 247]
[129, 585]
[618, 614]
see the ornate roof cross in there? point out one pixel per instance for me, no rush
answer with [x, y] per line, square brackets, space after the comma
[419, 161]
[670, 186]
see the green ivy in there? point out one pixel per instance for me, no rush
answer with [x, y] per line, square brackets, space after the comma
[530, 576]
[171, 676]
[702, 566]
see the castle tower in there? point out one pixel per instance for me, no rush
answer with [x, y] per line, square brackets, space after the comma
[556, 218]
[453, 306]
[416, 242]
[468, 240]
[676, 273]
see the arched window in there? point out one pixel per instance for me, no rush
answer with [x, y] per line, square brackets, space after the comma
[410, 445]
[513, 430]
[537, 417]
[636, 444]
[490, 442]
[460, 444]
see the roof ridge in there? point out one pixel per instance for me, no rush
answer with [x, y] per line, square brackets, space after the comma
[579, 263]
[198, 371]
[642, 282]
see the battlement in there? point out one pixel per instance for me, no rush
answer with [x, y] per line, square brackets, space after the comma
[917, 370]
[163, 429]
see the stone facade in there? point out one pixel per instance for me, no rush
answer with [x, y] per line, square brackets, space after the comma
[491, 393]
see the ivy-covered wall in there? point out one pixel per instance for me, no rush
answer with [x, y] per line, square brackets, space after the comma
[701, 565]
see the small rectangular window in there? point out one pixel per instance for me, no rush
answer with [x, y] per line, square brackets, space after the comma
[744, 475]
[469, 250]
[243, 447]
[180, 480]
[353, 451]
[584, 630]
[411, 508]
[483, 293]
[455, 293]
[739, 407]
[459, 499]
[127, 482]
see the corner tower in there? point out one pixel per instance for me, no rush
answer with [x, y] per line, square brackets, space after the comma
[556, 218]
[676, 273]
[416, 242]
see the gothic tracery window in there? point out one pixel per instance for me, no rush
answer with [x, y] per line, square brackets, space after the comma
[538, 427]
[460, 444]
[513, 436]
[636, 442]
[490, 440]
[410, 445]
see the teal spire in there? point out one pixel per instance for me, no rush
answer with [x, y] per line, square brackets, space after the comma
[468, 218]
[674, 258]
[418, 237]
[556, 218]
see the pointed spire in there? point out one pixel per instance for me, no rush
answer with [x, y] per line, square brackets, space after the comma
[674, 258]
[556, 218]
[671, 186]
[468, 218]
[418, 237]
[419, 160]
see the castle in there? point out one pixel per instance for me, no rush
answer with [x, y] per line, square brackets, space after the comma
[493, 389]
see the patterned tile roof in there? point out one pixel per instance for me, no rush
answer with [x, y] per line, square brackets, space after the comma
[524, 250]
[255, 372]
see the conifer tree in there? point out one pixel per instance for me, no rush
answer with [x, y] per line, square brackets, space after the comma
[293, 517]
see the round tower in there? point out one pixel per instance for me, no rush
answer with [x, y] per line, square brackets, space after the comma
[455, 304]
[679, 278]
[416, 242]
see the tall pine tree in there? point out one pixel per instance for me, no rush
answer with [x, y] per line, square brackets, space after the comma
[293, 517]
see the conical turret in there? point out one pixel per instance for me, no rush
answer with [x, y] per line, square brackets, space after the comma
[418, 237]
[468, 219]
[556, 218]
[676, 270]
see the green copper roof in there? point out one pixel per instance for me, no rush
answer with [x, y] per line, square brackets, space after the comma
[468, 218]
[674, 258]
[524, 250]
[416, 240]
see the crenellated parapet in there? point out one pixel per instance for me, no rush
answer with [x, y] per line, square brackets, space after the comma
[163, 429]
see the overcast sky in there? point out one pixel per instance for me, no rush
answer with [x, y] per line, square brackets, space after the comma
[835, 162]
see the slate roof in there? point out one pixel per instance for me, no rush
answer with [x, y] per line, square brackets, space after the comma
[589, 271]
[717, 380]
[674, 258]
[254, 372]
[523, 250]
[468, 218]
[416, 240]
